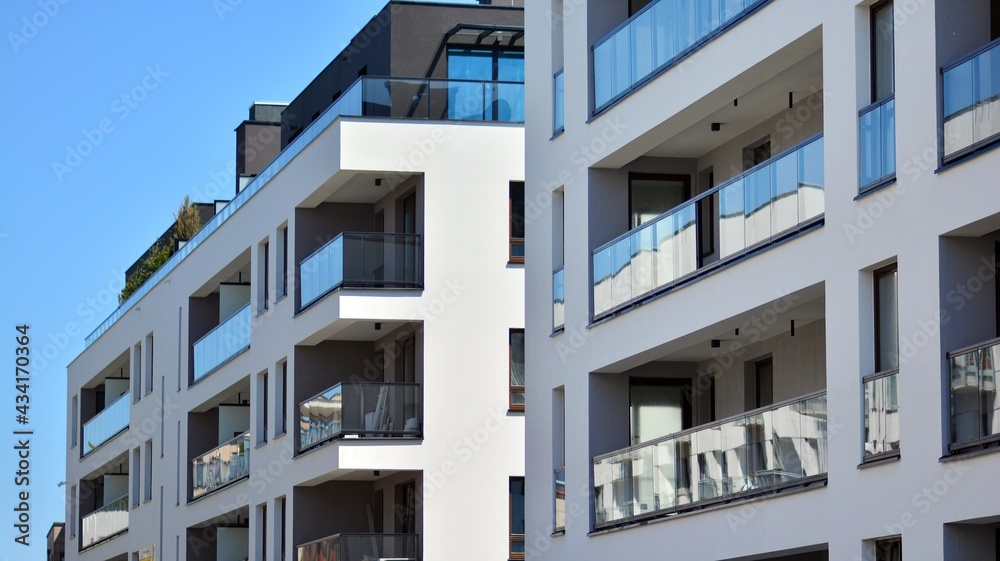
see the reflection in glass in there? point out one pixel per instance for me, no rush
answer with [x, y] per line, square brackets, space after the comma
[363, 409]
[771, 199]
[362, 261]
[224, 342]
[559, 103]
[975, 404]
[558, 299]
[107, 424]
[560, 499]
[221, 466]
[654, 37]
[361, 547]
[878, 142]
[756, 452]
[971, 96]
[881, 416]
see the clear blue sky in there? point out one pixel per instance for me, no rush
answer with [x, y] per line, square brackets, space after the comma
[71, 223]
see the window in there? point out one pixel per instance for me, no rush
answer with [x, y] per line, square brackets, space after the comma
[477, 99]
[136, 372]
[651, 195]
[262, 408]
[74, 422]
[265, 293]
[280, 413]
[283, 237]
[516, 222]
[881, 397]
[559, 457]
[517, 370]
[878, 120]
[886, 327]
[757, 153]
[559, 103]
[759, 386]
[516, 518]
[657, 407]
[975, 402]
[263, 531]
[72, 511]
[147, 494]
[281, 539]
[134, 470]
[889, 549]
[148, 365]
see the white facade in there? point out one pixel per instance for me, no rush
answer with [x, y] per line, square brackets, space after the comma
[717, 317]
[460, 444]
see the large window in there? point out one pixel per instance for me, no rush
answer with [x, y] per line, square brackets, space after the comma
[651, 195]
[516, 518]
[881, 396]
[657, 407]
[878, 120]
[516, 254]
[494, 84]
[517, 370]
[889, 549]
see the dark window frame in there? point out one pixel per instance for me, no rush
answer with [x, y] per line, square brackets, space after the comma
[513, 390]
[876, 7]
[644, 176]
[515, 241]
[514, 538]
[876, 275]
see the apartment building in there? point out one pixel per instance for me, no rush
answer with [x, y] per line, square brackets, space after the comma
[333, 366]
[762, 307]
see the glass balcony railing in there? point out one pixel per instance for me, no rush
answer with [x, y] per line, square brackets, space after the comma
[878, 142]
[361, 409]
[355, 260]
[369, 96]
[104, 523]
[757, 452]
[221, 344]
[221, 466]
[362, 547]
[559, 103]
[975, 403]
[107, 424]
[759, 206]
[972, 102]
[655, 37]
[559, 299]
[881, 416]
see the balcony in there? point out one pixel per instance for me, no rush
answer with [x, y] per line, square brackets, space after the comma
[222, 343]
[228, 463]
[975, 404]
[758, 452]
[766, 204]
[106, 425]
[971, 96]
[361, 410]
[655, 38]
[559, 299]
[104, 523]
[878, 143]
[357, 260]
[362, 547]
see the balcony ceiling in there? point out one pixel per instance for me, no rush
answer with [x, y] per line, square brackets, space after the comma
[760, 103]
[237, 393]
[116, 466]
[806, 306]
[238, 270]
[119, 368]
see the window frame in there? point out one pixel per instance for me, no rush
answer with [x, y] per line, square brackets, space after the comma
[642, 176]
[514, 241]
[512, 389]
[876, 7]
[514, 538]
[877, 274]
